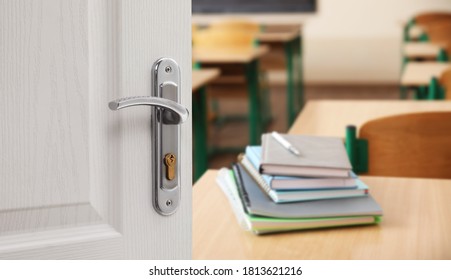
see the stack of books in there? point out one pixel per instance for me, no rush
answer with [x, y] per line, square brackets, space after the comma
[295, 182]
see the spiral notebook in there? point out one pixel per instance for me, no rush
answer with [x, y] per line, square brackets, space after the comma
[240, 201]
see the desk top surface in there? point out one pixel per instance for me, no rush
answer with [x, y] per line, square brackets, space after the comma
[229, 55]
[420, 73]
[416, 225]
[202, 77]
[276, 37]
[421, 50]
[330, 117]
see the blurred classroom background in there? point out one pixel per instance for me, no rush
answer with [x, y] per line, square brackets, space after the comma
[333, 50]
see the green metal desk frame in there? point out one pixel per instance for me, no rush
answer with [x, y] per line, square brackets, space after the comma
[200, 152]
[295, 85]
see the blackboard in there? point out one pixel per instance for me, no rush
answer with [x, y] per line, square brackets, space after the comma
[253, 6]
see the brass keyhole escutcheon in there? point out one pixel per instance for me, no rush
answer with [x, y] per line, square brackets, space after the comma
[170, 161]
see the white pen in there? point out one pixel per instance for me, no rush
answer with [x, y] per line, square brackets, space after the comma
[282, 141]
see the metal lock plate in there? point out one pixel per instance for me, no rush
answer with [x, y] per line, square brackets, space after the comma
[165, 128]
[166, 116]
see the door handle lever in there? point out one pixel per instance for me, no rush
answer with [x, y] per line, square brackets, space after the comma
[179, 113]
[166, 116]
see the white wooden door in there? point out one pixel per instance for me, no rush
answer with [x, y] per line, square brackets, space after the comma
[75, 177]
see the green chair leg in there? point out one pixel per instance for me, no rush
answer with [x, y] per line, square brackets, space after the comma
[421, 93]
[351, 146]
[442, 56]
[442, 93]
[423, 38]
[357, 150]
[433, 90]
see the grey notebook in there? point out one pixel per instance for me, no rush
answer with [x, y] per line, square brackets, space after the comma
[257, 203]
[319, 156]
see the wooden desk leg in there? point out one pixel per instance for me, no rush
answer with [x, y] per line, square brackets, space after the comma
[291, 112]
[255, 120]
[199, 111]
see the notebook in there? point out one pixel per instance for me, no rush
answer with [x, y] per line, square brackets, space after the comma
[257, 203]
[253, 154]
[293, 195]
[265, 225]
[319, 157]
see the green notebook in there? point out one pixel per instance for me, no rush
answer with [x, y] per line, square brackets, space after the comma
[256, 212]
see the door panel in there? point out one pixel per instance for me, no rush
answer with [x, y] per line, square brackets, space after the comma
[76, 177]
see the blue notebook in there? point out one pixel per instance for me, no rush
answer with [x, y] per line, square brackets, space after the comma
[253, 154]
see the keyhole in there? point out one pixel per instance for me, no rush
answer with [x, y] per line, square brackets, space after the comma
[170, 162]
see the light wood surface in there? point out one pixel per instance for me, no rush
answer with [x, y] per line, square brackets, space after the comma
[202, 77]
[424, 50]
[420, 73]
[270, 37]
[229, 55]
[409, 145]
[416, 225]
[330, 117]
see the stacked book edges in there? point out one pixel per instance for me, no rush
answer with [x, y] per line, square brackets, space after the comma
[257, 212]
[285, 189]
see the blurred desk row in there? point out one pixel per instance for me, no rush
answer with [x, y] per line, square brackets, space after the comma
[280, 47]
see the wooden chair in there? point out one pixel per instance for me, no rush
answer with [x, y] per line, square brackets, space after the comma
[439, 32]
[445, 83]
[427, 18]
[411, 145]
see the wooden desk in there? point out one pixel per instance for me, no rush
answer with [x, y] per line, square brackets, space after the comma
[420, 73]
[421, 50]
[286, 52]
[248, 58]
[416, 225]
[200, 78]
[330, 118]
[229, 55]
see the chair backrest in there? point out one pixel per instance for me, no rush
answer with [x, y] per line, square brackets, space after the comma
[428, 17]
[439, 32]
[445, 81]
[411, 145]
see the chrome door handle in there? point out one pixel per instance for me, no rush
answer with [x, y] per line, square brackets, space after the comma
[179, 113]
[166, 116]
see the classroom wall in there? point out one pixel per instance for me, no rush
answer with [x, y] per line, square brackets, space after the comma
[359, 41]
[352, 41]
